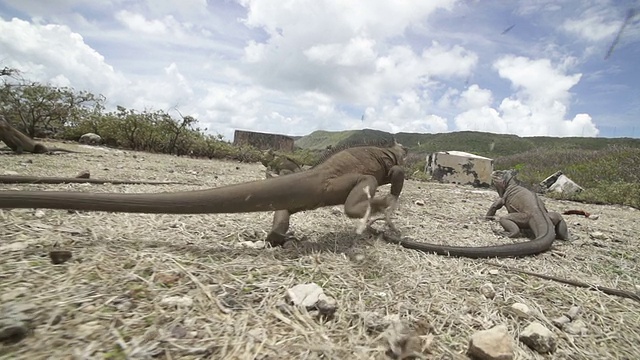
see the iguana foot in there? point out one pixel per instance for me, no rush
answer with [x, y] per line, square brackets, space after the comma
[365, 219]
[275, 239]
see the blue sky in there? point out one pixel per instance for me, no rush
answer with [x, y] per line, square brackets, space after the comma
[293, 67]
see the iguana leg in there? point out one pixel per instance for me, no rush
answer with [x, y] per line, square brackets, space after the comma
[277, 236]
[562, 233]
[389, 203]
[513, 222]
[497, 205]
[358, 202]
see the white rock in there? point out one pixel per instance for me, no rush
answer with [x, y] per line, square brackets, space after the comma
[539, 338]
[488, 291]
[491, 344]
[306, 295]
[184, 301]
[598, 235]
[521, 310]
[577, 327]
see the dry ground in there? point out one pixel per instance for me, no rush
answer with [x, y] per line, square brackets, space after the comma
[183, 287]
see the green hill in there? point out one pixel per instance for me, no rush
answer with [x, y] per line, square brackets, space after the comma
[480, 143]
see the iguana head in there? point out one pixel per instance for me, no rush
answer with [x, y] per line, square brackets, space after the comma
[502, 178]
[399, 151]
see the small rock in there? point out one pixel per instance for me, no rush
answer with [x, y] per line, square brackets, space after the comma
[9, 295]
[488, 291]
[573, 312]
[10, 173]
[402, 341]
[375, 322]
[178, 331]
[326, 306]
[59, 256]
[419, 202]
[12, 330]
[593, 217]
[306, 295]
[598, 235]
[577, 327]
[491, 344]
[539, 338]
[336, 211]
[494, 271]
[560, 321]
[185, 301]
[15, 246]
[39, 213]
[521, 310]
[84, 174]
[252, 244]
[257, 334]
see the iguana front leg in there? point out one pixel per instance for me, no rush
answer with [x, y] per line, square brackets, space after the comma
[277, 236]
[390, 202]
[497, 205]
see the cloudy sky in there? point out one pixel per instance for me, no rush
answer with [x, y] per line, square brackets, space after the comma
[531, 67]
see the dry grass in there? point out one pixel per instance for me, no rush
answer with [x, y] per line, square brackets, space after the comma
[109, 301]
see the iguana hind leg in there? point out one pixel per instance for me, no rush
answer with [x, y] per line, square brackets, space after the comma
[562, 233]
[277, 236]
[513, 222]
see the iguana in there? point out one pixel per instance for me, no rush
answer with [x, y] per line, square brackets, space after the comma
[349, 177]
[18, 179]
[526, 211]
[278, 163]
[19, 142]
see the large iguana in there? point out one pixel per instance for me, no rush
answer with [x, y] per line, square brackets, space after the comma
[19, 142]
[349, 177]
[526, 211]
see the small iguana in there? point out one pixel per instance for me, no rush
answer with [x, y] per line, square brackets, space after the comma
[349, 177]
[18, 179]
[278, 163]
[526, 211]
[19, 142]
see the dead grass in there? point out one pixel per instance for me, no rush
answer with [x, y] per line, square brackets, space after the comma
[181, 286]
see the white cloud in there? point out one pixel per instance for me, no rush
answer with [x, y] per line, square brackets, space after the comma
[595, 24]
[295, 67]
[538, 107]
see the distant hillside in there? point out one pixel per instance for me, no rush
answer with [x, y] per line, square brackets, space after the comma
[480, 143]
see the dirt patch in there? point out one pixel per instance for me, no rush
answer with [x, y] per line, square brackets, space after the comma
[183, 286]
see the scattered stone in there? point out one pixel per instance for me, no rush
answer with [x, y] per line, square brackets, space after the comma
[488, 291]
[561, 321]
[594, 217]
[597, 235]
[494, 271]
[14, 246]
[540, 339]
[312, 297]
[573, 312]
[13, 330]
[84, 174]
[39, 213]
[11, 173]
[252, 244]
[491, 344]
[180, 301]
[59, 256]
[577, 327]
[12, 294]
[178, 331]
[402, 341]
[374, 322]
[419, 202]
[521, 310]
[336, 210]
[90, 139]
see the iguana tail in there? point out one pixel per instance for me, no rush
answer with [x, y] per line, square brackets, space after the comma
[538, 245]
[293, 191]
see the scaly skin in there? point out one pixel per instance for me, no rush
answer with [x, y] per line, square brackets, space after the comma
[526, 211]
[19, 142]
[341, 179]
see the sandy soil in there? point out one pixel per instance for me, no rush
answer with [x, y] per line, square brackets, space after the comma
[142, 286]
